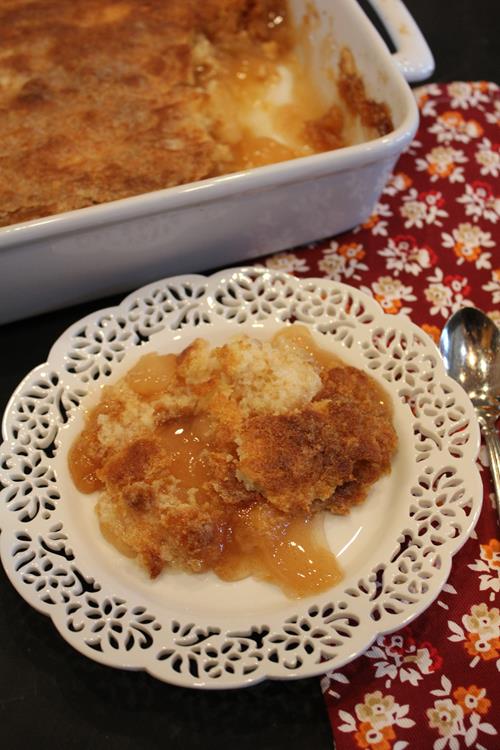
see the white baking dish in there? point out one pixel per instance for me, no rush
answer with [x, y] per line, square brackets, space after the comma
[92, 252]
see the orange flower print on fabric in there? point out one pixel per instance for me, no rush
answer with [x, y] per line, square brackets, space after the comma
[441, 168]
[374, 739]
[469, 242]
[342, 261]
[352, 250]
[491, 553]
[488, 564]
[391, 306]
[480, 634]
[390, 293]
[453, 126]
[398, 183]
[402, 180]
[371, 221]
[470, 254]
[477, 645]
[464, 95]
[459, 716]
[375, 721]
[433, 331]
[443, 162]
[377, 222]
[472, 699]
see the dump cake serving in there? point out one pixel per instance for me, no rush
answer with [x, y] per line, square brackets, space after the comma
[224, 458]
[104, 99]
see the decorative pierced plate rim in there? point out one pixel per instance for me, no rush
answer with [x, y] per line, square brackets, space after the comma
[114, 623]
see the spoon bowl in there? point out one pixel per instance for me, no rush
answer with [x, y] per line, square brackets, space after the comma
[470, 348]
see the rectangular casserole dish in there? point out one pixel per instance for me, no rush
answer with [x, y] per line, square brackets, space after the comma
[100, 250]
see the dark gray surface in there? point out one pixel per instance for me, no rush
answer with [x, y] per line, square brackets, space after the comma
[50, 694]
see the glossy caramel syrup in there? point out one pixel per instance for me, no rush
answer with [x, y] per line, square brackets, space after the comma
[258, 540]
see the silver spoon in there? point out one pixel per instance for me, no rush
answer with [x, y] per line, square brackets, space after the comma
[470, 347]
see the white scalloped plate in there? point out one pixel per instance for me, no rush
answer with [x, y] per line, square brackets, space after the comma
[196, 630]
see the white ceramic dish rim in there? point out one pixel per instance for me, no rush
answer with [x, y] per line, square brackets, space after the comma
[208, 190]
[326, 307]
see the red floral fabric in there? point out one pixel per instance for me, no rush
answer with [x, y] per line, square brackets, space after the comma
[430, 247]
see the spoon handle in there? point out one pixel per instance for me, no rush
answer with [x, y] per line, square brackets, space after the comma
[493, 445]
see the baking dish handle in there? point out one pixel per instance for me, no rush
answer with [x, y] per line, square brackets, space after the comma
[413, 56]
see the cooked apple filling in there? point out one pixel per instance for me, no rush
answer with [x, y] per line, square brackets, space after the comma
[224, 459]
[104, 99]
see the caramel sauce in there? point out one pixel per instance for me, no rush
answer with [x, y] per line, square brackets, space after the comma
[151, 373]
[289, 552]
[84, 457]
[263, 100]
[185, 441]
[299, 337]
[256, 540]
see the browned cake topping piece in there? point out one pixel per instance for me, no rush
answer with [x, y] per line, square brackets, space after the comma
[219, 458]
[104, 99]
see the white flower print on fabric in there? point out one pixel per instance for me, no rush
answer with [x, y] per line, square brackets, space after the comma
[375, 223]
[488, 158]
[328, 680]
[446, 717]
[419, 209]
[414, 148]
[481, 202]
[480, 635]
[453, 126]
[404, 254]
[447, 294]
[375, 721]
[494, 117]
[400, 657]
[489, 567]
[398, 183]
[390, 293]
[377, 709]
[287, 262]
[343, 261]
[426, 99]
[459, 715]
[493, 286]
[468, 242]
[442, 162]
[465, 95]
[447, 589]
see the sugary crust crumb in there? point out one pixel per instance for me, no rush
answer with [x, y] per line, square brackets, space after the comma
[247, 423]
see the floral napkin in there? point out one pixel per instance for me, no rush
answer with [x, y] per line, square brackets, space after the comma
[430, 247]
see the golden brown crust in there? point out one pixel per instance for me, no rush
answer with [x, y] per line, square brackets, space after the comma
[345, 438]
[326, 133]
[105, 99]
[373, 114]
[171, 488]
[99, 100]
[159, 523]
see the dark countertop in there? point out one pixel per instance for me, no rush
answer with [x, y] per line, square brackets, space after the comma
[49, 693]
